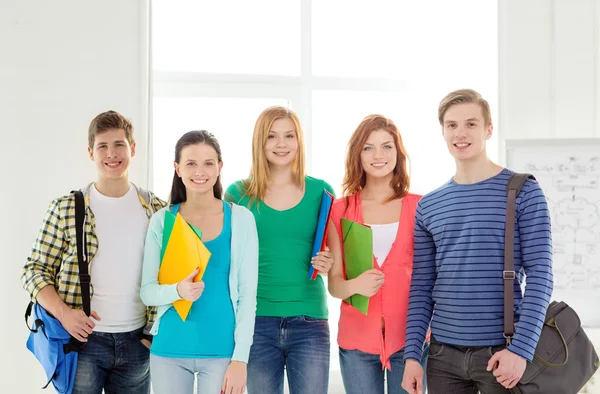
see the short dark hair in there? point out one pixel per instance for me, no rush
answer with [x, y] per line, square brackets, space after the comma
[107, 121]
[178, 194]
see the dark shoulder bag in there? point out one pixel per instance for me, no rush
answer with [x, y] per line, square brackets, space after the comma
[565, 358]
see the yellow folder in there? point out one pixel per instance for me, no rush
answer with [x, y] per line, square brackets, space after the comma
[184, 253]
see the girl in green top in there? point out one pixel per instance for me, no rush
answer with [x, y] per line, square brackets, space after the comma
[291, 331]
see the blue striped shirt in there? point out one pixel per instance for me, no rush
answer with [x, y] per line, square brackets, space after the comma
[457, 283]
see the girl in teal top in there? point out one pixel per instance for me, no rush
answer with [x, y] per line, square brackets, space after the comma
[214, 306]
[214, 341]
[291, 331]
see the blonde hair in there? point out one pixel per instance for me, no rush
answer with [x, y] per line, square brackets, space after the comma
[464, 96]
[256, 185]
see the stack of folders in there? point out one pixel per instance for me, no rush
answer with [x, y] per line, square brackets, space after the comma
[358, 257]
[322, 228]
[182, 252]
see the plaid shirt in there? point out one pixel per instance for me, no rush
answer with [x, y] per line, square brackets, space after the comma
[53, 259]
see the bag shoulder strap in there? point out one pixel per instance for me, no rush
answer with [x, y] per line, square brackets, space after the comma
[84, 276]
[515, 183]
[144, 193]
[38, 323]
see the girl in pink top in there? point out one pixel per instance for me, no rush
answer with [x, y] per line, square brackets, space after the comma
[375, 192]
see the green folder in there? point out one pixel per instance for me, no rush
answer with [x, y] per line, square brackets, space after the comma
[358, 257]
[168, 228]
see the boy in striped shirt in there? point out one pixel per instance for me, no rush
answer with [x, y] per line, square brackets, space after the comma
[457, 282]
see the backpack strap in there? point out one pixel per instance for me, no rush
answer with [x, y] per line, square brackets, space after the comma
[38, 323]
[144, 194]
[515, 184]
[84, 276]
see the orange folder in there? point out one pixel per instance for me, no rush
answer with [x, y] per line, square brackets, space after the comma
[184, 253]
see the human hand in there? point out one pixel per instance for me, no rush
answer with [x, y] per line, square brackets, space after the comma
[412, 381]
[146, 342]
[77, 323]
[323, 261]
[234, 381]
[508, 367]
[369, 282]
[190, 290]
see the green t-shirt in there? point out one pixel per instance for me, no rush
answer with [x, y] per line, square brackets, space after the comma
[285, 241]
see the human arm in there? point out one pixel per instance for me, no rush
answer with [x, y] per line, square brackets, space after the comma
[247, 283]
[534, 232]
[42, 266]
[44, 261]
[420, 304]
[151, 292]
[533, 218]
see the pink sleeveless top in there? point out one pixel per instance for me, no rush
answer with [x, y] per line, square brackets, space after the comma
[390, 304]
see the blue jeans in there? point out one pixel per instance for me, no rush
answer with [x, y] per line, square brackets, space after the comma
[299, 344]
[177, 375]
[362, 372]
[118, 363]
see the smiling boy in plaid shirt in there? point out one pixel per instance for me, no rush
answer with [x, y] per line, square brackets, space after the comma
[115, 357]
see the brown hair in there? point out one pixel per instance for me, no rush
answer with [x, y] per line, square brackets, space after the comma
[178, 191]
[464, 96]
[107, 121]
[355, 177]
[256, 185]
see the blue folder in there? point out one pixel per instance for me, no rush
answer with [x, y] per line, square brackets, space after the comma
[322, 227]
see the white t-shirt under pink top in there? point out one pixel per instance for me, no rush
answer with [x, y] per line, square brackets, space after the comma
[384, 236]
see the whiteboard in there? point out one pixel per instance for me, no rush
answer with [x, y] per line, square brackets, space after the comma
[569, 173]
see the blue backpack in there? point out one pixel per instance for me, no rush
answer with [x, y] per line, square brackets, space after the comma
[50, 343]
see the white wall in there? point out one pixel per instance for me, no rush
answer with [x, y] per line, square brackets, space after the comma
[549, 76]
[61, 63]
[548, 72]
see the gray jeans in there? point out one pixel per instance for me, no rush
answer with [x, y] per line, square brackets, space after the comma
[177, 375]
[461, 370]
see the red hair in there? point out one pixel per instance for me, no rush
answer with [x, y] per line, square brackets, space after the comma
[355, 177]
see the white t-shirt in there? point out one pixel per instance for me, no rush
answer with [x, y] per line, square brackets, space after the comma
[116, 269]
[384, 236]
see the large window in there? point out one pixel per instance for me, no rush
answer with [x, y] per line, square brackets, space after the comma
[226, 117]
[217, 65]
